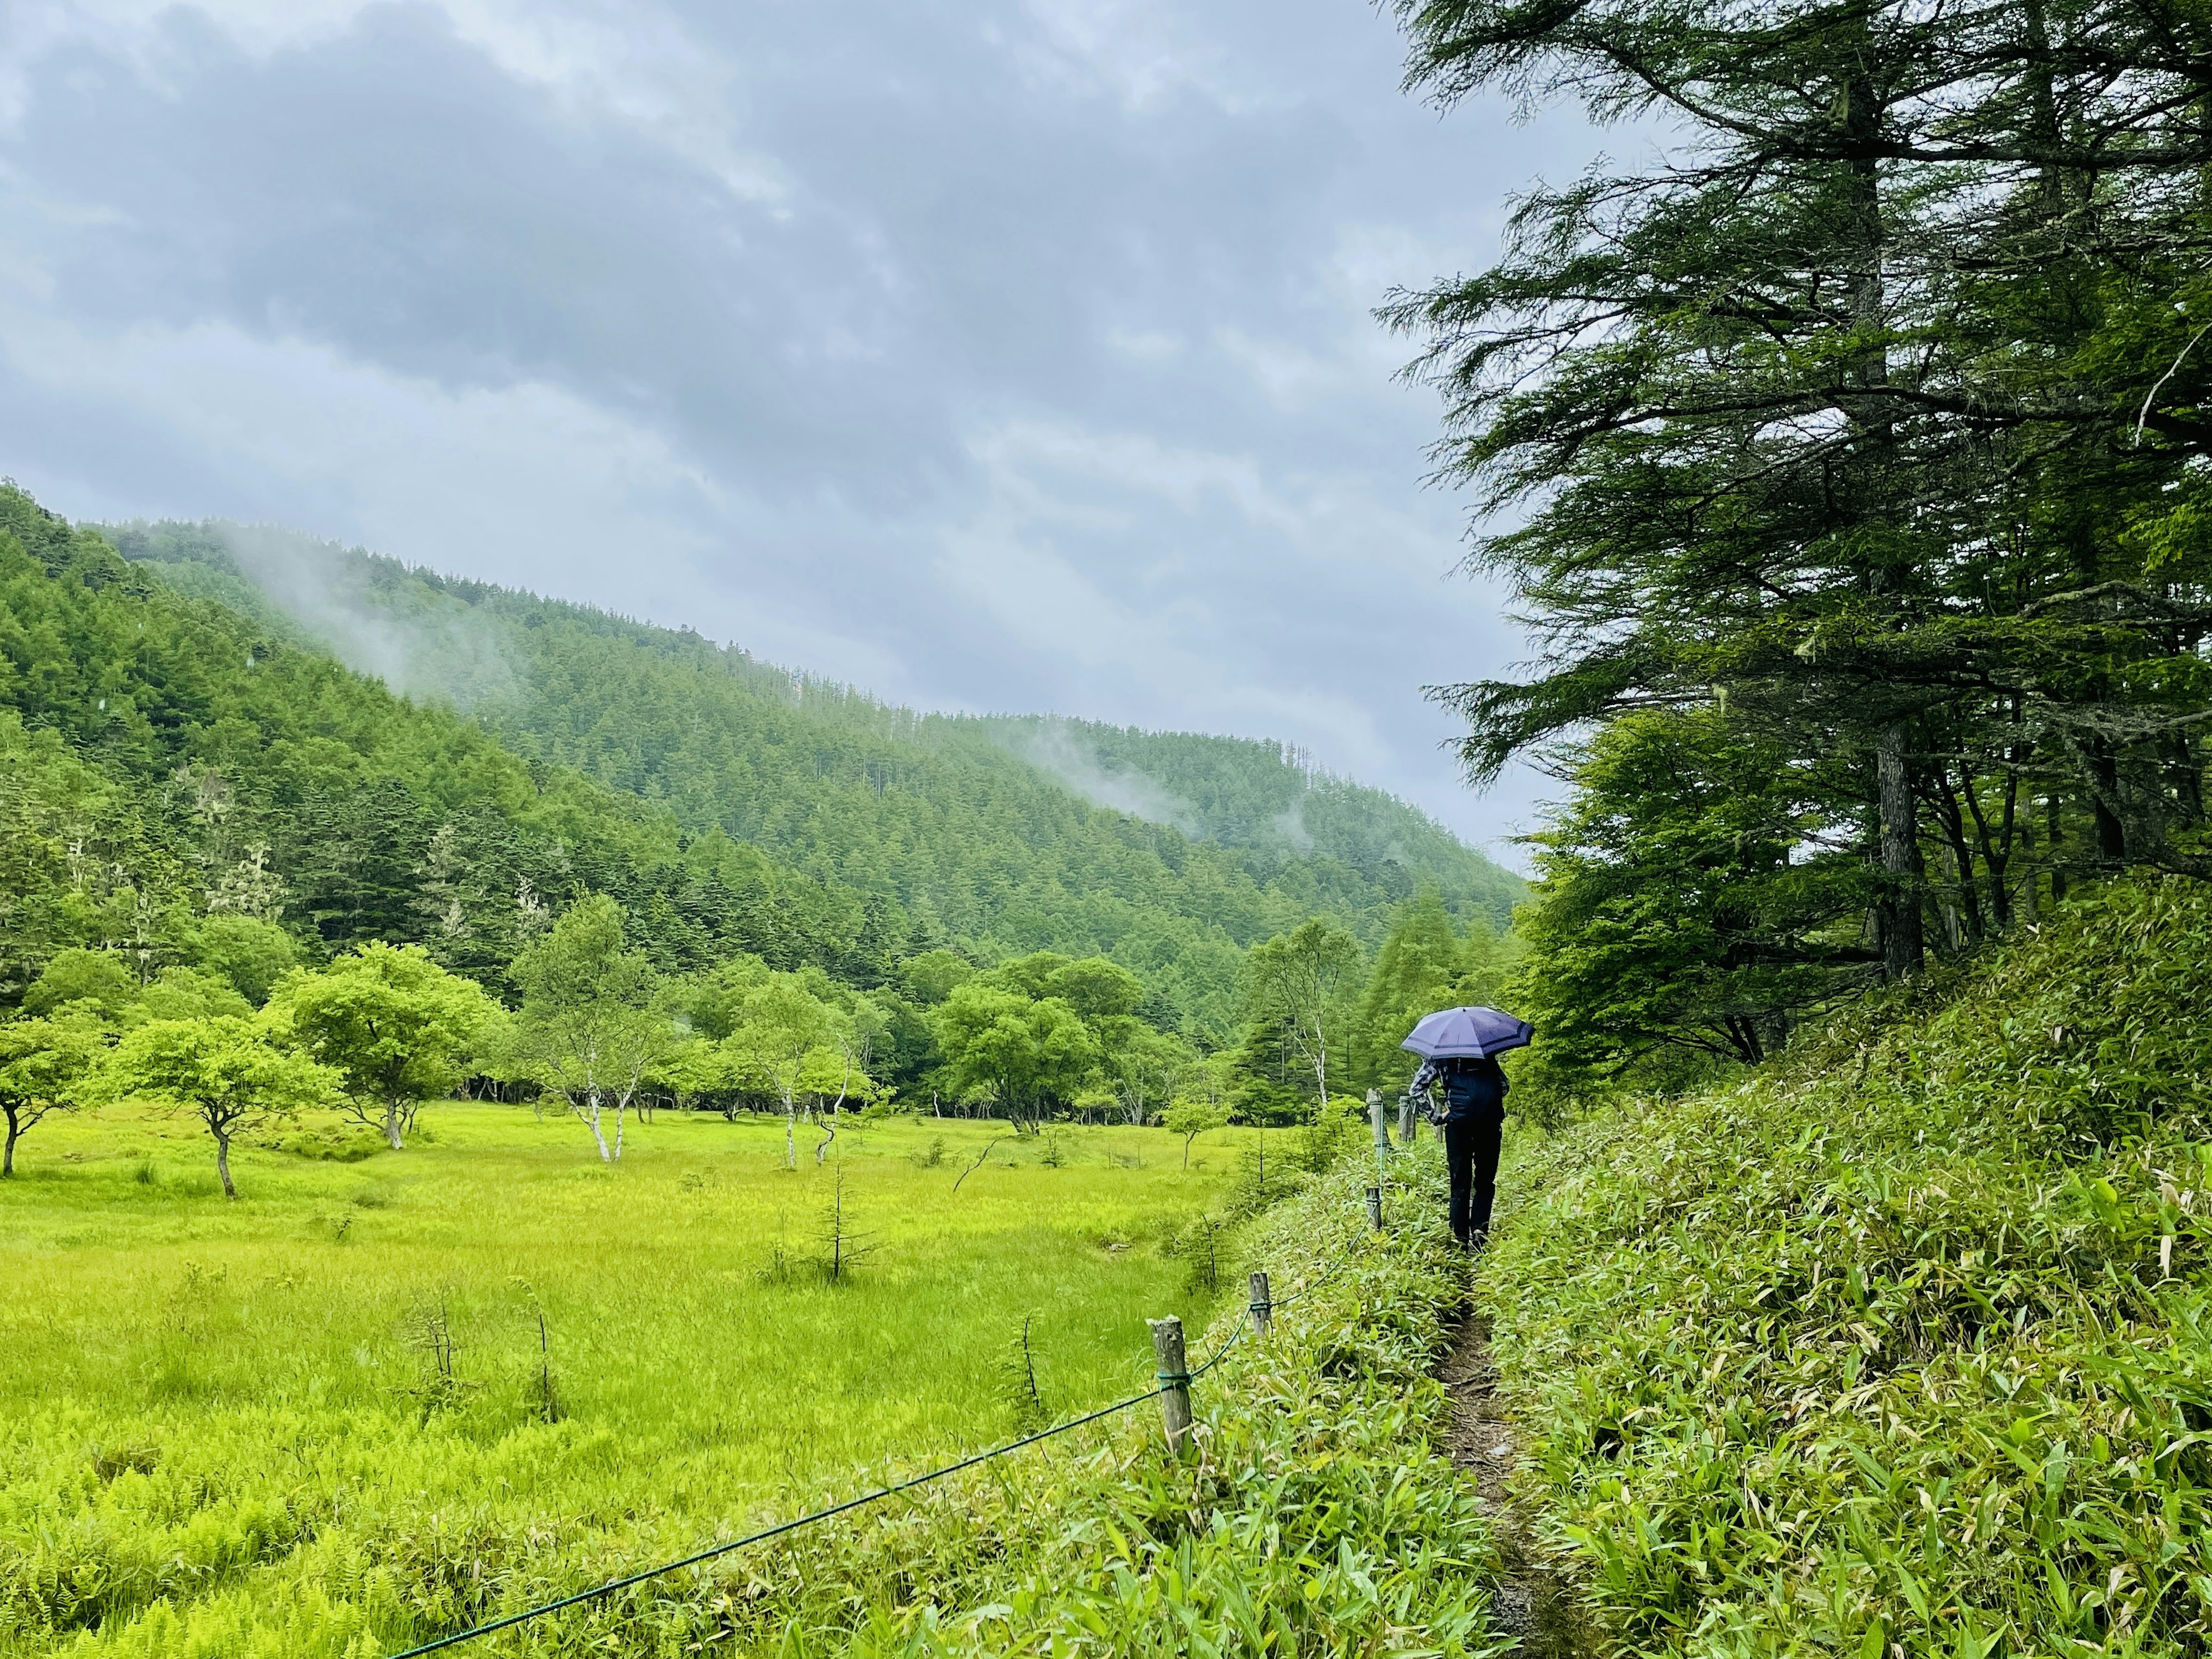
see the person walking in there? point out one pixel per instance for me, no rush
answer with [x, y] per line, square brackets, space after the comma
[1459, 1048]
[1474, 1118]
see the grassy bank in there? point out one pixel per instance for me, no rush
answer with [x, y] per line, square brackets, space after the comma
[1900, 1347]
[319, 1413]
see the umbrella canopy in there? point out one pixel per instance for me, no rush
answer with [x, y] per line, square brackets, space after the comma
[1468, 1033]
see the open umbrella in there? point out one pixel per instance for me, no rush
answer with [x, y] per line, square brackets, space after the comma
[1466, 1033]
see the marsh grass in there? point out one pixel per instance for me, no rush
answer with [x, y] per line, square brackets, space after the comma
[367, 1381]
[1312, 1515]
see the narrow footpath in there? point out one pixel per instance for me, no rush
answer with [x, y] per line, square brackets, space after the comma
[1533, 1604]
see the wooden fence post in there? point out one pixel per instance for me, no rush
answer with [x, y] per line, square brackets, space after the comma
[1263, 1309]
[1409, 1121]
[1175, 1381]
[1374, 1208]
[1381, 1126]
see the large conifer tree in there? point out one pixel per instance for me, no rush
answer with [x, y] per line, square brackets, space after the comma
[1865, 418]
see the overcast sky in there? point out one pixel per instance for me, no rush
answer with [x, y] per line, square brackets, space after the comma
[1004, 354]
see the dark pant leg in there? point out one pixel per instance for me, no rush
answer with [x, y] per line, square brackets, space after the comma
[1484, 1134]
[1460, 1135]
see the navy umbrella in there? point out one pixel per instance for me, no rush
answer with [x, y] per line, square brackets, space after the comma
[1467, 1033]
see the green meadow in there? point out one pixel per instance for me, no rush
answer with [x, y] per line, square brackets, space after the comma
[235, 1426]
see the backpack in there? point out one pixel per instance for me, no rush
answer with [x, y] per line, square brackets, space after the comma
[1471, 1088]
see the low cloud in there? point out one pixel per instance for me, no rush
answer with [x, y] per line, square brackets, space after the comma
[1059, 749]
[441, 650]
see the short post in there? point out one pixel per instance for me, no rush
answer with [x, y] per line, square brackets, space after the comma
[1175, 1382]
[1409, 1121]
[1374, 1208]
[1380, 1125]
[1263, 1308]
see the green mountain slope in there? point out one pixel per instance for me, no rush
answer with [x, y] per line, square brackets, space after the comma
[1257, 796]
[163, 756]
[948, 830]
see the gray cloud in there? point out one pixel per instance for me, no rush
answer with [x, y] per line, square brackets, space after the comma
[994, 355]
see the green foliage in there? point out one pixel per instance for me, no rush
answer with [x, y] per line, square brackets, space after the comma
[1192, 1118]
[1899, 1343]
[186, 993]
[1299, 985]
[1682, 919]
[880, 834]
[250, 951]
[933, 975]
[389, 1019]
[175, 768]
[1425, 964]
[1865, 416]
[1024, 1053]
[223, 1069]
[42, 1064]
[97, 979]
[588, 1029]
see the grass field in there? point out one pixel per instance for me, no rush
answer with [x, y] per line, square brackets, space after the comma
[230, 1425]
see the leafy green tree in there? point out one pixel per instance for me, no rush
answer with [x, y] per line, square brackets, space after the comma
[1021, 1053]
[1416, 972]
[1830, 417]
[1098, 990]
[249, 952]
[42, 1064]
[1678, 919]
[781, 1036]
[224, 1070]
[186, 993]
[1192, 1118]
[695, 1067]
[388, 1018]
[99, 979]
[1146, 1068]
[934, 976]
[588, 1029]
[1298, 983]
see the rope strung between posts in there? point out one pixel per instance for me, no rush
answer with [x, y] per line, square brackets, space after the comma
[1182, 1381]
[1167, 1380]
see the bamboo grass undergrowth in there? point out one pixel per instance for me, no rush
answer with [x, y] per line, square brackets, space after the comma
[1898, 1347]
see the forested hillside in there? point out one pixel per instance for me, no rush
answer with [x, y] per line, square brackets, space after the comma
[926, 830]
[172, 767]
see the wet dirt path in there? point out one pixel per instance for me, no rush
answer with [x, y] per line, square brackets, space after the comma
[1533, 1603]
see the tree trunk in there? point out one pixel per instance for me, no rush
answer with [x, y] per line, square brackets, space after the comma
[222, 1163]
[605, 1157]
[391, 1124]
[2112, 829]
[1903, 950]
[2052, 841]
[14, 1134]
[790, 1135]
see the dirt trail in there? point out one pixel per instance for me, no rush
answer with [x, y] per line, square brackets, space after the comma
[1532, 1603]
